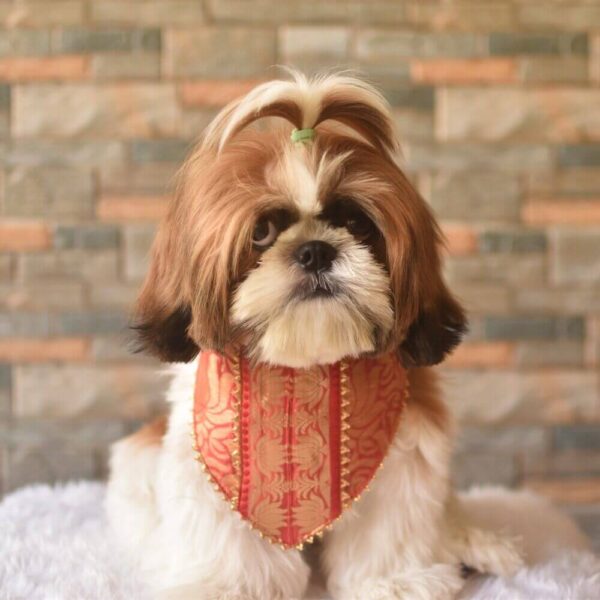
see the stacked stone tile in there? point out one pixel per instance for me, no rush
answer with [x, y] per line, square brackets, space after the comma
[498, 106]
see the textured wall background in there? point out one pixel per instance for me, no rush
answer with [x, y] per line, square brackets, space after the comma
[498, 105]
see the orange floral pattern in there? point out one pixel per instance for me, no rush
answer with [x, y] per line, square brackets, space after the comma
[292, 448]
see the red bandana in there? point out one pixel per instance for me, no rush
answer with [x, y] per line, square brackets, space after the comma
[290, 449]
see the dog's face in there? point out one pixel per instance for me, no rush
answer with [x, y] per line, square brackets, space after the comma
[317, 288]
[304, 252]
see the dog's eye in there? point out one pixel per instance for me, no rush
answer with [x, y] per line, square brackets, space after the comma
[265, 233]
[360, 226]
[344, 212]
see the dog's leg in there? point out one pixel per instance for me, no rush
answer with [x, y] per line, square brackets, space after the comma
[130, 496]
[387, 545]
[202, 549]
[484, 550]
[406, 538]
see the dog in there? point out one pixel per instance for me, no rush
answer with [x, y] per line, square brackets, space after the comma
[299, 258]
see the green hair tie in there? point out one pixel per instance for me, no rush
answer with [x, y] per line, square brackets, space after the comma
[302, 135]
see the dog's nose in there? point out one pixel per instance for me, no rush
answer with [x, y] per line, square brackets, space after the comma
[315, 256]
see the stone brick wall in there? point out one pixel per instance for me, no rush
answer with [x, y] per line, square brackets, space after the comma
[498, 106]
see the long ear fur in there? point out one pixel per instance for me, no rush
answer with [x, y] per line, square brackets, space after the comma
[438, 321]
[198, 255]
[437, 329]
[163, 313]
[429, 322]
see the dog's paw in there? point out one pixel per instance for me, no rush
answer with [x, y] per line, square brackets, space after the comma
[438, 582]
[489, 552]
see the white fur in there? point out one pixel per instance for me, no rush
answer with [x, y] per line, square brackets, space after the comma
[299, 182]
[320, 330]
[545, 532]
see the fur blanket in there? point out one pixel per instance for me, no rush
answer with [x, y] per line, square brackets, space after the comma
[54, 545]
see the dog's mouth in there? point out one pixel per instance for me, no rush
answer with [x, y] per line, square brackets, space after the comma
[317, 287]
[321, 292]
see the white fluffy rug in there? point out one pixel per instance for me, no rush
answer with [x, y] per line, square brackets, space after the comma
[54, 545]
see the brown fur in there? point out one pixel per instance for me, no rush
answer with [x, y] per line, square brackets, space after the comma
[424, 390]
[150, 434]
[366, 121]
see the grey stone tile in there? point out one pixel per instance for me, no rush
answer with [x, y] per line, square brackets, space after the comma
[537, 43]
[579, 155]
[512, 241]
[168, 150]
[89, 323]
[533, 327]
[581, 437]
[484, 469]
[86, 236]
[24, 42]
[76, 40]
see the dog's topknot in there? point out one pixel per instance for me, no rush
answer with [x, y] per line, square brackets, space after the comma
[307, 102]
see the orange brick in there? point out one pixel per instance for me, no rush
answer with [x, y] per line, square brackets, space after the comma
[482, 354]
[476, 70]
[23, 236]
[43, 68]
[41, 350]
[568, 491]
[562, 212]
[460, 239]
[214, 92]
[132, 208]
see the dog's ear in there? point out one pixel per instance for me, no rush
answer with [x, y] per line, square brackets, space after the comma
[429, 321]
[162, 314]
[437, 329]
[184, 302]
[164, 335]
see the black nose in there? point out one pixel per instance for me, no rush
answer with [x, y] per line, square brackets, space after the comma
[315, 256]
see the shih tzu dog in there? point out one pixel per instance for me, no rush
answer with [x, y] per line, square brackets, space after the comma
[297, 273]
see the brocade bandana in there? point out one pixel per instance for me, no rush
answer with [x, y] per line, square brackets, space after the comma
[291, 449]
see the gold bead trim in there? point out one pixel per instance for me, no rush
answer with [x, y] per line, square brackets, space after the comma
[235, 453]
[344, 437]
